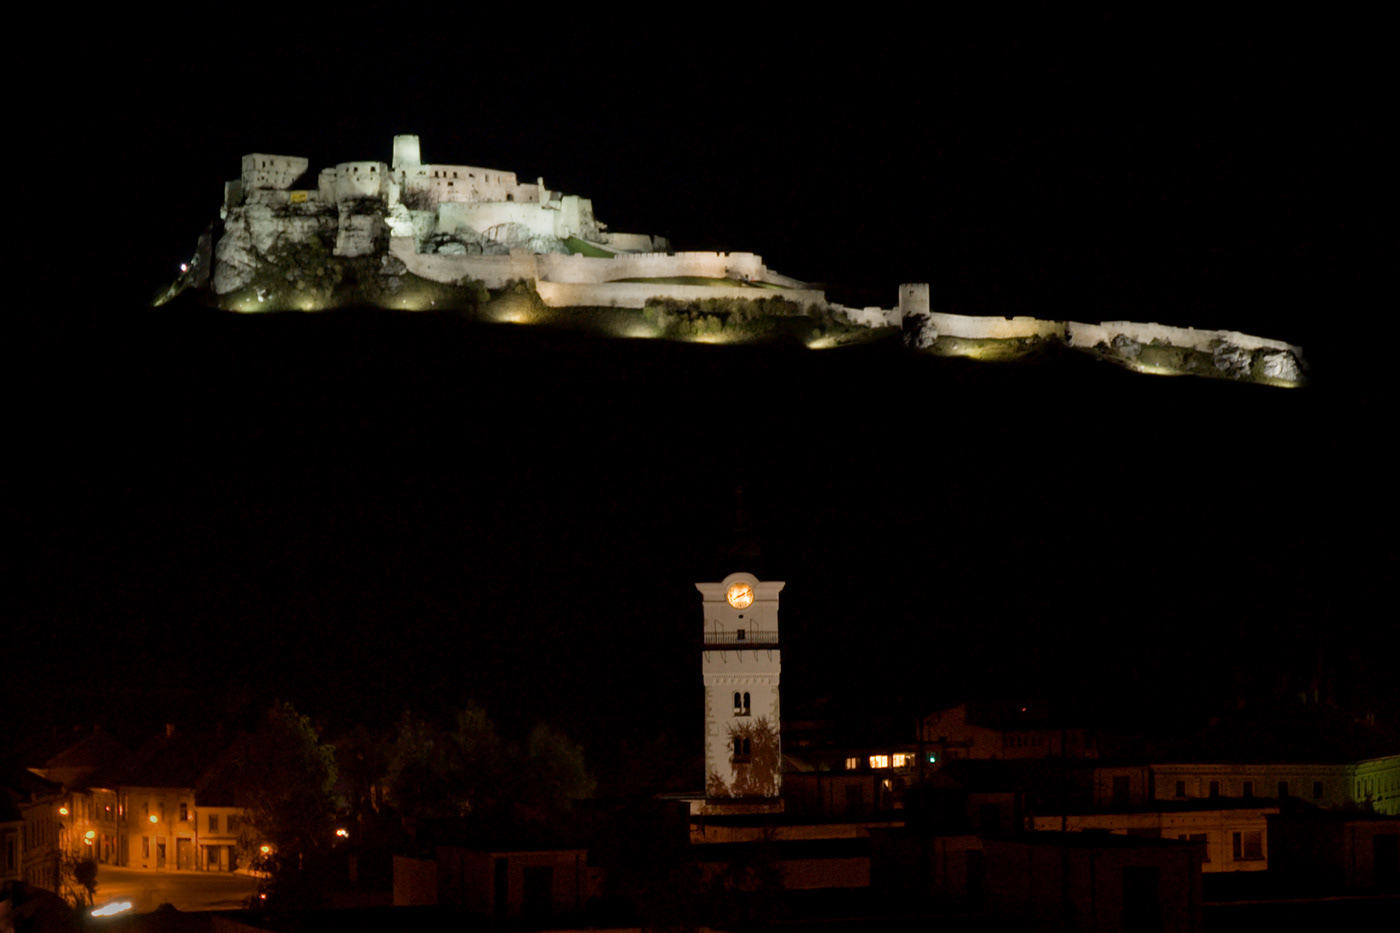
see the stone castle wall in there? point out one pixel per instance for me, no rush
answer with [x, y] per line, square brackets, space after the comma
[261, 170]
[1091, 335]
[636, 294]
[361, 180]
[493, 271]
[576, 268]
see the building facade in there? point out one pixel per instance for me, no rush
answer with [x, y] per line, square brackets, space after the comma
[742, 666]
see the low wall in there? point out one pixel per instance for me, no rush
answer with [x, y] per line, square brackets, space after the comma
[873, 317]
[585, 278]
[495, 271]
[577, 268]
[1090, 335]
[637, 242]
[636, 294]
[935, 325]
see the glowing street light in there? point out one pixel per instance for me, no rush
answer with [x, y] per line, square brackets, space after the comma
[154, 819]
[89, 836]
[62, 811]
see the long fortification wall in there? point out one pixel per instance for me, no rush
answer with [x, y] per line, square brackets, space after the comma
[933, 324]
[584, 269]
[585, 280]
[636, 294]
[873, 317]
[1090, 335]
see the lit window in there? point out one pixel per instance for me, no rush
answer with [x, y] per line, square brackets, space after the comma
[901, 760]
[879, 761]
[852, 764]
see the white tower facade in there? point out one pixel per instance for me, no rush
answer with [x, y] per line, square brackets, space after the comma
[742, 666]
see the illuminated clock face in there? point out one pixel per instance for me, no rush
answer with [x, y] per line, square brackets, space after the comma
[740, 595]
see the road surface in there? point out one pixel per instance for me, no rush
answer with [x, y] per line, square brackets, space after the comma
[186, 890]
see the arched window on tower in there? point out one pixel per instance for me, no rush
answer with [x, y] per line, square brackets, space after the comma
[743, 749]
[741, 704]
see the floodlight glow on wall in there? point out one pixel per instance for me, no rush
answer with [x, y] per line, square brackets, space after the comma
[114, 908]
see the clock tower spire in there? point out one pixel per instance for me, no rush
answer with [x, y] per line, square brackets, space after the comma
[741, 666]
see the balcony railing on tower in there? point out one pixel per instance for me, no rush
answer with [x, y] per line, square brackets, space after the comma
[742, 638]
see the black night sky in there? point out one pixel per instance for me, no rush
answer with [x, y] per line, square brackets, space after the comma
[364, 512]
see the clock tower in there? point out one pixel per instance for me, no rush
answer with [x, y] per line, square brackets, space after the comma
[741, 667]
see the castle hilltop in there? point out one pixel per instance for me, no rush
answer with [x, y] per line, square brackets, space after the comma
[411, 235]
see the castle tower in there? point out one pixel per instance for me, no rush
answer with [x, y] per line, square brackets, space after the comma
[913, 299]
[741, 667]
[406, 152]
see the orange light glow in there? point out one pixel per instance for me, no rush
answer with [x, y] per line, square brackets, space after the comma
[90, 835]
[62, 811]
[343, 833]
[879, 761]
[153, 818]
[266, 850]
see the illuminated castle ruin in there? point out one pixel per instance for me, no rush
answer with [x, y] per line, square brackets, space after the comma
[457, 223]
[412, 229]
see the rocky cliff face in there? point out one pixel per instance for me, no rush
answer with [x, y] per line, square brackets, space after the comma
[259, 236]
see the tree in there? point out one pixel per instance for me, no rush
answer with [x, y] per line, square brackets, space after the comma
[285, 779]
[436, 773]
[78, 876]
[552, 774]
[468, 771]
